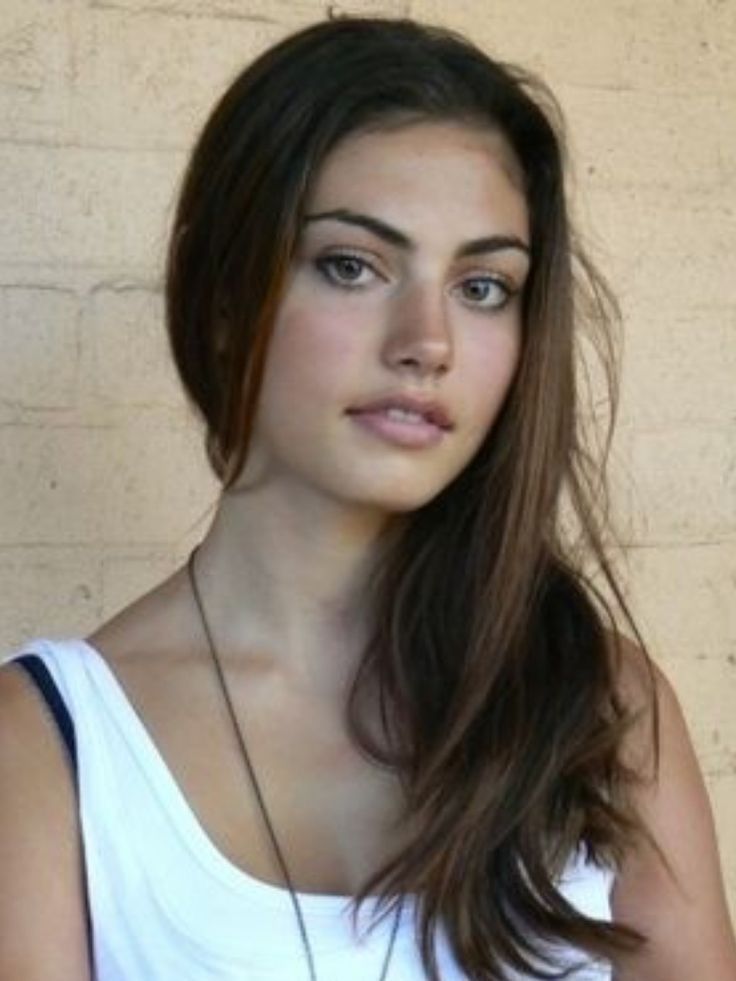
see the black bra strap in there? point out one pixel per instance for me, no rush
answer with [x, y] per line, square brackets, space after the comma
[46, 685]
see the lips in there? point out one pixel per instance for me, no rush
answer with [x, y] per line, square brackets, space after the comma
[430, 410]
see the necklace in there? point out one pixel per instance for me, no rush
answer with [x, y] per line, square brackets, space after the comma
[259, 796]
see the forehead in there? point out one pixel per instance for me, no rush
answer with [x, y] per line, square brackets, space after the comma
[443, 169]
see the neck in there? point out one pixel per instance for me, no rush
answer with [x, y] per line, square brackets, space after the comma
[286, 585]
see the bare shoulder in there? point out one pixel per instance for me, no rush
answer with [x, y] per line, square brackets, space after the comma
[150, 647]
[41, 852]
[149, 625]
[31, 754]
[647, 695]
[636, 676]
[40, 849]
[681, 906]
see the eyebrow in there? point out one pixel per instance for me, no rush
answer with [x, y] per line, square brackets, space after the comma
[477, 246]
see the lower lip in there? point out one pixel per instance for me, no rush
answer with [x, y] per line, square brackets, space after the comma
[411, 434]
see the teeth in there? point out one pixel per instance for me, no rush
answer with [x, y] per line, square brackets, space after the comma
[405, 415]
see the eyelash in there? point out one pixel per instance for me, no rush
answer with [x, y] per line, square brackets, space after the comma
[326, 266]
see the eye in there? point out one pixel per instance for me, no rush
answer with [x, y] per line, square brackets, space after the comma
[345, 269]
[487, 292]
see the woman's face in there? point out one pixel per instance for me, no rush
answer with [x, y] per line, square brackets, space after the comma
[407, 280]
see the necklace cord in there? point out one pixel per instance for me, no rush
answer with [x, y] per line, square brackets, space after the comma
[259, 796]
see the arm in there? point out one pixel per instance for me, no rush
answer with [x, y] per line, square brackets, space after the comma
[42, 916]
[686, 921]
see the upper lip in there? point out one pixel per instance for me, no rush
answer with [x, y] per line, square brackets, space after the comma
[432, 410]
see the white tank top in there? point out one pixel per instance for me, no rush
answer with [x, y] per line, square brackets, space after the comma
[166, 905]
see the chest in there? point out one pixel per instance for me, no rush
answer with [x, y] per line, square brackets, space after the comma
[335, 814]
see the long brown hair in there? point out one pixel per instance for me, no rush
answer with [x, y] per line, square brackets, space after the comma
[492, 650]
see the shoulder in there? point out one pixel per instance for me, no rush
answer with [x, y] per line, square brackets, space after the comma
[648, 698]
[672, 893]
[151, 648]
[25, 730]
[32, 756]
[636, 677]
[151, 625]
[42, 857]
[657, 745]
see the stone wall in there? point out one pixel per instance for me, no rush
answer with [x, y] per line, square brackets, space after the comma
[102, 479]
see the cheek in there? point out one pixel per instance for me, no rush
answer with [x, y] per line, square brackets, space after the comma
[490, 373]
[308, 357]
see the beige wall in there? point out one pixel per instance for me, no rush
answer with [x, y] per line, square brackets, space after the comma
[102, 482]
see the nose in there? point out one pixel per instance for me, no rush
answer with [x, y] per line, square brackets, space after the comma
[419, 331]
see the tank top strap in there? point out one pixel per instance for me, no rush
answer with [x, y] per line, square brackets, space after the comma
[40, 675]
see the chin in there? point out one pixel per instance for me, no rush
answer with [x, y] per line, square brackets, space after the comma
[404, 501]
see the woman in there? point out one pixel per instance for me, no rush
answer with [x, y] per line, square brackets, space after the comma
[382, 675]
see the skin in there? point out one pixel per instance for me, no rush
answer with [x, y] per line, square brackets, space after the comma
[283, 566]
[318, 490]
[684, 914]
